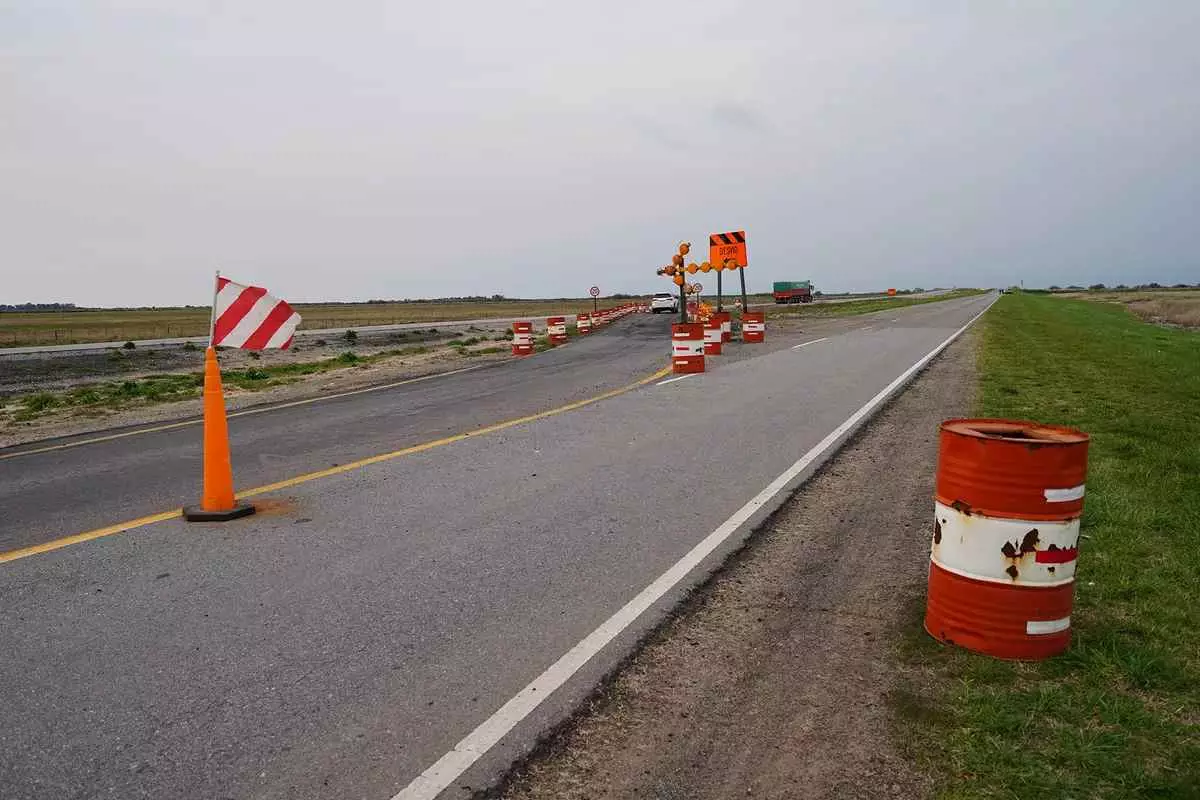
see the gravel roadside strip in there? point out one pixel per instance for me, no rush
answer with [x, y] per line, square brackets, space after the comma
[772, 680]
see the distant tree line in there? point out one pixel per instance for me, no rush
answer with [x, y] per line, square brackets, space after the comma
[38, 307]
[1121, 287]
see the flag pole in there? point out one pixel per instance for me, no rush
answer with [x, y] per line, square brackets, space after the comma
[212, 319]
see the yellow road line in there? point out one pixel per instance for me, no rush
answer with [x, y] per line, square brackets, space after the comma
[245, 413]
[66, 541]
[122, 527]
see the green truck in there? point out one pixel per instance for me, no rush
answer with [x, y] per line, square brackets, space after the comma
[793, 292]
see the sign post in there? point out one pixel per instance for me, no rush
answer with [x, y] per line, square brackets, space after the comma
[595, 293]
[675, 270]
[729, 250]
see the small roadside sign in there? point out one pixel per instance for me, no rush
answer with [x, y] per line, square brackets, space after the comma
[728, 245]
[594, 291]
[699, 287]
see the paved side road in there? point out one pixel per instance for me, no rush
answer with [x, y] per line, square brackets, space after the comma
[345, 640]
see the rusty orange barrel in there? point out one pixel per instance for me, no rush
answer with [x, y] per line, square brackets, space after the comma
[712, 338]
[1007, 504]
[556, 330]
[687, 347]
[583, 323]
[522, 342]
[754, 326]
[726, 320]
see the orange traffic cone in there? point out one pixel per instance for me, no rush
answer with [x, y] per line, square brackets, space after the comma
[217, 503]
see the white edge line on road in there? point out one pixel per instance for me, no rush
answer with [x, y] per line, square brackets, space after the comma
[867, 328]
[676, 378]
[447, 769]
[814, 341]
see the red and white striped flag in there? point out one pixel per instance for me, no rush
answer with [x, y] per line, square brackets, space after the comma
[249, 318]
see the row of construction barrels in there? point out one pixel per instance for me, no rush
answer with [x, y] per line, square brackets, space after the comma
[556, 327]
[692, 341]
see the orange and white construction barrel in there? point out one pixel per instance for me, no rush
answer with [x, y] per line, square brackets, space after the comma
[583, 323]
[726, 320]
[522, 341]
[1007, 505]
[754, 326]
[556, 329]
[712, 337]
[687, 347]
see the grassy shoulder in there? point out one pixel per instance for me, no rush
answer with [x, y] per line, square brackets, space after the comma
[1118, 715]
[866, 306]
[104, 396]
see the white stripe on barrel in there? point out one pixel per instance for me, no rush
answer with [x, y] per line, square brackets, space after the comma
[1008, 551]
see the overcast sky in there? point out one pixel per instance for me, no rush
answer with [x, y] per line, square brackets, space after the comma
[358, 150]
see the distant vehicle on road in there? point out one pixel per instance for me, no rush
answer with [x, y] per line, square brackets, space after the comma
[664, 301]
[793, 292]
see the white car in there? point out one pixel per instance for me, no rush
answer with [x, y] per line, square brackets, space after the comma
[664, 301]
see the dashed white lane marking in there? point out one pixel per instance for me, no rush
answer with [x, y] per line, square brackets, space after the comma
[676, 378]
[814, 341]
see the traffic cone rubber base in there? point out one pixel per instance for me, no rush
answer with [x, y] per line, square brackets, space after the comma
[198, 514]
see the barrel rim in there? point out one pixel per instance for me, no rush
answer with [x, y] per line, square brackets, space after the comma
[1018, 431]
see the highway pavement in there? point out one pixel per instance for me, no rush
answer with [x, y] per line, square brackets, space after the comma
[345, 639]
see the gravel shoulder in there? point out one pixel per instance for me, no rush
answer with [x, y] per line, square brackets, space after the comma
[773, 679]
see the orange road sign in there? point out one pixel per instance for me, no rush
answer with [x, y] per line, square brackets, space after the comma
[728, 245]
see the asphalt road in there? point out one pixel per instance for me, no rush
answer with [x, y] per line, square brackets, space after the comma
[342, 641]
[51, 494]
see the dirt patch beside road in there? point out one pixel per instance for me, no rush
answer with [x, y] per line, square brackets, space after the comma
[398, 358]
[773, 680]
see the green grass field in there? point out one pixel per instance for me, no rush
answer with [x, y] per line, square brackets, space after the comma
[1118, 715]
[852, 307]
[24, 329]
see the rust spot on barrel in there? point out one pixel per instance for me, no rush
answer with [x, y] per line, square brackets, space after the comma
[1029, 543]
[961, 507]
[1012, 571]
[937, 532]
